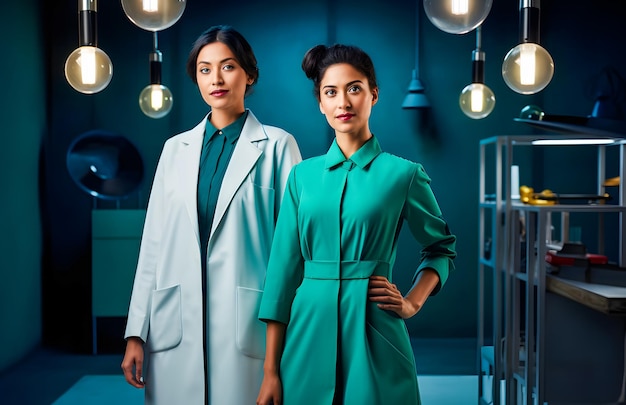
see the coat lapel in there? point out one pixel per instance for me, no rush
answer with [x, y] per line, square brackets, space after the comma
[189, 164]
[244, 158]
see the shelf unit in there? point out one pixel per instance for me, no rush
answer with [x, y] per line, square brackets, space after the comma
[116, 236]
[510, 372]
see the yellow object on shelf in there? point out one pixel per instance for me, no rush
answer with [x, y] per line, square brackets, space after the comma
[547, 197]
[613, 181]
[528, 196]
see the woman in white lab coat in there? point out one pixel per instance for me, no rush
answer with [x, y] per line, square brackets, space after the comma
[192, 333]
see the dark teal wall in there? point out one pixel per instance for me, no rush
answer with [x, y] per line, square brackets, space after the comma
[280, 31]
[23, 119]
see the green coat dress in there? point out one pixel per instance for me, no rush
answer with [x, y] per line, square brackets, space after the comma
[338, 225]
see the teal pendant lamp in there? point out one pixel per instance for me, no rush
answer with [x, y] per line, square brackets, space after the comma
[415, 98]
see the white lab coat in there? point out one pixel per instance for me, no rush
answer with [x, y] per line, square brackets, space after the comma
[166, 303]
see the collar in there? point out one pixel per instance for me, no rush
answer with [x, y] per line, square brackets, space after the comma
[231, 131]
[361, 158]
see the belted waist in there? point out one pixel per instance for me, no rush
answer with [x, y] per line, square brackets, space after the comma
[345, 270]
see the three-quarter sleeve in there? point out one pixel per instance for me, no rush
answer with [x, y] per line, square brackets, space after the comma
[286, 265]
[424, 217]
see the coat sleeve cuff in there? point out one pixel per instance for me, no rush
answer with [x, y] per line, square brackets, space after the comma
[271, 310]
[442, 265]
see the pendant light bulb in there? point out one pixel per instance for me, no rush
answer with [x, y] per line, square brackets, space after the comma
[88, 69]
[153, 15]
[156, 100]
[477, 100]
[457, 16]
[528, 67]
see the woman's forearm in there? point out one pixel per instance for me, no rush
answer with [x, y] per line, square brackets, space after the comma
[274, 346]
[426, 282]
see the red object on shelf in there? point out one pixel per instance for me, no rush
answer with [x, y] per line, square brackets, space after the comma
[563, 259]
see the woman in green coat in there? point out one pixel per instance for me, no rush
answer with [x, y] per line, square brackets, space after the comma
[335, 320]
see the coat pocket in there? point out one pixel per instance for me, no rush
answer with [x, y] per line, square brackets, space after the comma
[250, 331]
[166, 328]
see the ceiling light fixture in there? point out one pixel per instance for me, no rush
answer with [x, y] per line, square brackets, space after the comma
[457, 16]
[477, 100]
[154, 15]
[88, 69]
[155, 100]
[416, 99]
[528, 68]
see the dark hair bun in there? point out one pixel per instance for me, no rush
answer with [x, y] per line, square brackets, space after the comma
[312, 59]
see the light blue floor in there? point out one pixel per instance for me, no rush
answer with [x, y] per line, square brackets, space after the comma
[448, 389]
[101, 390]
[112, 389]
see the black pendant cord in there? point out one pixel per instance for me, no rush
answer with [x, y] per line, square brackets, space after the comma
[478, 59]
[156, 61]
[529, 21]
[87, 28]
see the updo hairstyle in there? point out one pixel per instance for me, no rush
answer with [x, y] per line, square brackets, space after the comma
[320, 57]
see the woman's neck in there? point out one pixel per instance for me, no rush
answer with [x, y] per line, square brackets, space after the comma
[349, 143]
[221, 118]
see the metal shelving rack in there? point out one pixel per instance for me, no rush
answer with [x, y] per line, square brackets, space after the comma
[516, 371]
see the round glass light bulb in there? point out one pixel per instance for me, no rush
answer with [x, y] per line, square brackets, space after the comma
[154, 15]
[532, 112]
[88, 69]
[457, 16]
[155, 100]
[527, 68]
[477, 100]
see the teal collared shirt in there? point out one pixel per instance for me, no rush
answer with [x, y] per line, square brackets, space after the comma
[217, 149]
[361, 158]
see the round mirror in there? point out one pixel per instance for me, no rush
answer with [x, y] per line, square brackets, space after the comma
[105, 165]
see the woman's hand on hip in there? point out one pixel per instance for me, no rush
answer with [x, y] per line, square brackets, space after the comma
[389, 298]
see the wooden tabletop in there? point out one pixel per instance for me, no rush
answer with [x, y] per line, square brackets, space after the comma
[607, 299]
